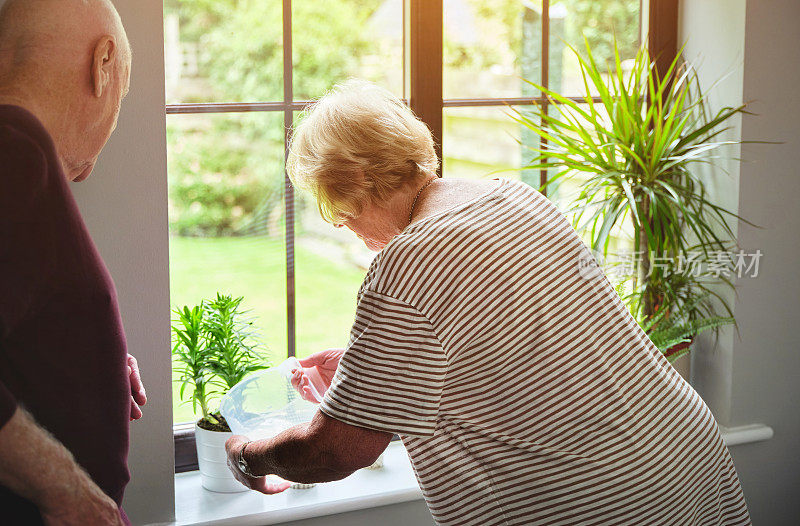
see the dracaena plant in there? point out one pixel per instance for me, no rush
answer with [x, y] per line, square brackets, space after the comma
[636, 153]
[215, 346]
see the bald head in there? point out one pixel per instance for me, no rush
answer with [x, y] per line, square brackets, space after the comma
[57, 27]
[68, 61]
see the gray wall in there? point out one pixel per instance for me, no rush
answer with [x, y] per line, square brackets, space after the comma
[756, 378]
[766, 369]
[125, 206]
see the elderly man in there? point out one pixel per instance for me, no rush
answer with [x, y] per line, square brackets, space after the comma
[68, 388]
[523, 389]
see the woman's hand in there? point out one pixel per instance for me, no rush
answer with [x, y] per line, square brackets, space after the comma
[234, 447]
[318, 370]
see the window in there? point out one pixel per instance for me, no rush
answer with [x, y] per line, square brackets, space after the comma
[239, 71]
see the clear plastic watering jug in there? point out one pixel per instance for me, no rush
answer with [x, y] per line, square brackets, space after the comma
[265, 404]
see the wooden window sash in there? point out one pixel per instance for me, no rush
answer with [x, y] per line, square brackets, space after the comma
[423, 63]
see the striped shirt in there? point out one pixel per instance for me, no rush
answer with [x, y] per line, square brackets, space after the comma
[521, 386]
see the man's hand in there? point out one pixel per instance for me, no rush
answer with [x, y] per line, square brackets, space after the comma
[83, 505]
[138, 395]
[234, 447]
[318, 370]
[37, 467]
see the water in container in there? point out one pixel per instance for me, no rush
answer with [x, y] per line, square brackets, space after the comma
[264, 404]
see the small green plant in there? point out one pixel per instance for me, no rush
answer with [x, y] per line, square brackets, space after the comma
[192, 357]
[215, 347]
[671, 332]
[638, 148]
[231, 341]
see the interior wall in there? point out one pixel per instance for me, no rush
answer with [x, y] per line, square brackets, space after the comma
[753, 377]
[766, 368]
[124, 204]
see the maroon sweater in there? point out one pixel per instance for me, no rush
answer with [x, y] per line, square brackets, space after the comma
[62, 346]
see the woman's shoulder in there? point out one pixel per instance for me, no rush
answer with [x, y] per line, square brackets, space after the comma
[411, 259]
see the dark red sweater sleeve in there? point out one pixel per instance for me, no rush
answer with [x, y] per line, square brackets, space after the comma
[25, 238]
[8, 405]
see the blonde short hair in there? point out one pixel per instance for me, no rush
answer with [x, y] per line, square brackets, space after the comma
[358, 144]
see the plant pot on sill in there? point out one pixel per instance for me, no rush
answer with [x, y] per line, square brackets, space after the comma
[682, 364]
[213, 461]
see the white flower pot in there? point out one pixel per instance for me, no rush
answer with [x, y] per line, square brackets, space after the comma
[213, 460]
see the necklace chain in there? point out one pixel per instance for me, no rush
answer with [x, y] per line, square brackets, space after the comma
[411, 214]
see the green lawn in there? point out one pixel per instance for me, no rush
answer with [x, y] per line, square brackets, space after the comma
[255, 267]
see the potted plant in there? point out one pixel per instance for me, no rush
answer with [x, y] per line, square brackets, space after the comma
[215, 348]
[637, 149]
[673, 330]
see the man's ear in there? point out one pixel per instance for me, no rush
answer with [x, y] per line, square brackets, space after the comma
[105, 54]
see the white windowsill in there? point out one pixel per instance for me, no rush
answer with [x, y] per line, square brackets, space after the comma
[392, 484]
[735, 436]
[364, 489]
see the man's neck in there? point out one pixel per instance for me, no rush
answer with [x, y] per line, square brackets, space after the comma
[12, 97]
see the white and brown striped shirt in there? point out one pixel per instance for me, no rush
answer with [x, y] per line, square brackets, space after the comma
[522, 387]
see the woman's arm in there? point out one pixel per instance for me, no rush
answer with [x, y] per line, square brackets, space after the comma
[321, 451]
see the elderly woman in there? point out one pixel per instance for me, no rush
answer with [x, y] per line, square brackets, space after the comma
[522, 388]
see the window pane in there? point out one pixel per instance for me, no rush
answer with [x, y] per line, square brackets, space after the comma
[491, 45]
[223, 50]
[348, 38]
[330, 266]
[598, 21]
[484, 142]
[227, 219]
